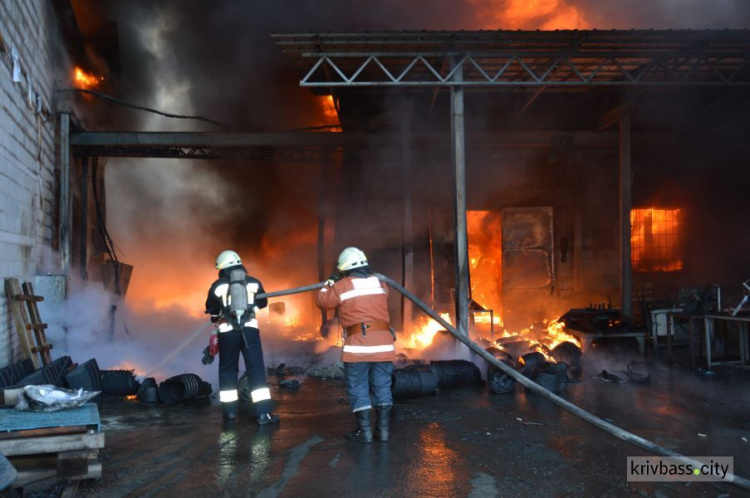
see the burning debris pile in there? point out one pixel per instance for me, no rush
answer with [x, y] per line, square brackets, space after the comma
[545, 353]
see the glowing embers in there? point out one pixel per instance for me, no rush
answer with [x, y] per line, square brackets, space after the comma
[655, 240]
[86, 80]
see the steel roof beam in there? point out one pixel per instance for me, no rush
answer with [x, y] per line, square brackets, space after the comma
[559, 59]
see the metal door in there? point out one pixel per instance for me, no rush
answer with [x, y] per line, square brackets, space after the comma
[528, 266]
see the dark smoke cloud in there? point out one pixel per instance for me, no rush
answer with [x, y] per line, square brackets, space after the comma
[234, 72]
[666, 14]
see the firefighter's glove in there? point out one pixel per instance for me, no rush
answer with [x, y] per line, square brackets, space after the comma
[335, 277]
[207, 358]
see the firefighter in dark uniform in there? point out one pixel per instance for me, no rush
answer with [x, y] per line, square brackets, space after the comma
[232, 305]
[361, 302]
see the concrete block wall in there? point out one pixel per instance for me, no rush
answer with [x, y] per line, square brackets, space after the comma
[28, 190]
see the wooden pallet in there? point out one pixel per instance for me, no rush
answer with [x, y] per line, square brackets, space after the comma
[51, 456]
[31, 330]
[52, 446]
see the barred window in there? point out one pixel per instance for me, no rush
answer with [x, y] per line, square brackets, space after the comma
[655, 240]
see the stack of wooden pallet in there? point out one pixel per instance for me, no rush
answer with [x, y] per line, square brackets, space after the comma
[46, 448]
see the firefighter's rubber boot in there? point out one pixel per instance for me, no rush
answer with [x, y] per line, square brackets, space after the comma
[363, 433]
[267, 418]
[230, 410]
[381, 428]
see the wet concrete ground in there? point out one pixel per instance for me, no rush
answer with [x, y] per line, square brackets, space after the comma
[463, 442]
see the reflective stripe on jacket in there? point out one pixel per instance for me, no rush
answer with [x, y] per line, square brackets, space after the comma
[361, 300]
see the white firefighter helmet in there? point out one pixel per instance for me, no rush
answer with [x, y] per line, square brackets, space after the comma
[351, 258]
[227, 259]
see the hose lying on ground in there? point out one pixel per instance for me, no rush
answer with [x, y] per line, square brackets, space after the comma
[593, 419]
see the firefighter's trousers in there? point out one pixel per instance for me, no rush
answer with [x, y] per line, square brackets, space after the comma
[231, 344]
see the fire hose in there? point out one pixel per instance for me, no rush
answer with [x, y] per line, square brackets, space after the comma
[287, 292]
[533, 386]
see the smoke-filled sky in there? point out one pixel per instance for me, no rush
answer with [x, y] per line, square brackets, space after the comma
[217, 59]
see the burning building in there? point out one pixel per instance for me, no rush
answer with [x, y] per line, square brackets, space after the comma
[504, 176]
[526, 182]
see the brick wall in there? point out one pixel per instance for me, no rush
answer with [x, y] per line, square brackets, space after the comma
[27, 148]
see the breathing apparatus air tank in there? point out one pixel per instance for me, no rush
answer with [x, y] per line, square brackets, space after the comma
[238, 305]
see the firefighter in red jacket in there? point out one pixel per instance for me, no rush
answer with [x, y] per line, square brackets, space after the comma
[361, 302]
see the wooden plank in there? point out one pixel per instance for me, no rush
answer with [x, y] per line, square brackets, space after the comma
[26, 477]
[47, 431]
[36, 326]
[52, 444]
[41, 349]
[13, 290]
[72, 463]
[35, 299]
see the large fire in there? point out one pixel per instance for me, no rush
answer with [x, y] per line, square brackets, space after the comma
[486, 259]
[529, 14]
[541, 337]
[86, 80]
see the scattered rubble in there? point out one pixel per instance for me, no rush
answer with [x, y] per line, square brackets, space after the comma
[334, 371]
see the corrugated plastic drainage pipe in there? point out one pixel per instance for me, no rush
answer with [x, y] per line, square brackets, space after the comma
[182, 388]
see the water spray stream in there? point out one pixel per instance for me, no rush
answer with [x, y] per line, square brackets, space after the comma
[179, 348]
[202, 328]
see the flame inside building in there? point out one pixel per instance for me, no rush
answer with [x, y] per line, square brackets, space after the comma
[542, 216]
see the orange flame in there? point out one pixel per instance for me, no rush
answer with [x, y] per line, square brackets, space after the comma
[86, 80]
[330, 114]
[654, 239]
[543, 340]
[485, 257]
[425, 329]
[529, 14]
